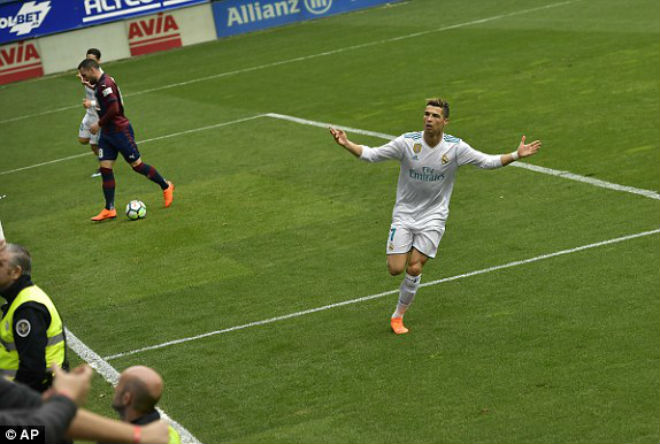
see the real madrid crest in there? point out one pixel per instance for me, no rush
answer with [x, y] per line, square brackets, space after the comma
[445, 159]
[417, 148]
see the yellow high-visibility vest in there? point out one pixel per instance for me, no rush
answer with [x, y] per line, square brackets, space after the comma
[55, 347]
[174, 436]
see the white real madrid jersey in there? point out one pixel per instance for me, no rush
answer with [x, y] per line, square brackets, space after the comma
[427, 175]
[89, 94]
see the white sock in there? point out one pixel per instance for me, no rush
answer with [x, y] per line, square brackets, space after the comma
[407, 292]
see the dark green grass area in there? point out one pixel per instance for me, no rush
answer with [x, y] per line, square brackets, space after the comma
[271, 217]
[568, 359]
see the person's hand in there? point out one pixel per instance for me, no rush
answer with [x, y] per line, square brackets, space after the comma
[529, 149]
[74, 385]
[339, 136]
[87, 103]
[155, 433]
[94, 128]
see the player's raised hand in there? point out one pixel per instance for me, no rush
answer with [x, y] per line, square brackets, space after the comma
[339, 136]
[87, 103]
[526, 150]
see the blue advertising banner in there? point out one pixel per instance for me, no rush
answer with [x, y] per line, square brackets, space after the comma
[27, 19]
[239, 16]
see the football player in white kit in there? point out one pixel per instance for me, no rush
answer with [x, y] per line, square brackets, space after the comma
[91, 115]
[429, 160]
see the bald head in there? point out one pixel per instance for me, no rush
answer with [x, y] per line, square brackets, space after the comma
[138, 391]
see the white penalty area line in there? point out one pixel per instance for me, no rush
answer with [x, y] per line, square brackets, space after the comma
[111, 375]
[380, 295]
[558, 173]
[309, 57]
[552, 172]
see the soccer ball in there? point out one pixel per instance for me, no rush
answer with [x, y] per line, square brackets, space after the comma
[136, 209]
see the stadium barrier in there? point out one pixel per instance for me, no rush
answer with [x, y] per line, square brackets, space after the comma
[241, 16]
[145, 34]
[40, 37]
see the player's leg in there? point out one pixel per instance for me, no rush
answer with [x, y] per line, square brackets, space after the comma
[399, 245]
[94, 145]
[85, 137]
[131, 154]
[410, 283]
[107, 157]
[425, 246]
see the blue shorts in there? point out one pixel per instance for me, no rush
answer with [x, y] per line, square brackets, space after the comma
[113, 143]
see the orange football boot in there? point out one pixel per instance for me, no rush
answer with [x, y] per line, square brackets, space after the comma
[105, 214]
[397, 326]
[168, 194]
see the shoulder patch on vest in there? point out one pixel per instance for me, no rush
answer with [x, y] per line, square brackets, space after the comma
[23, 328]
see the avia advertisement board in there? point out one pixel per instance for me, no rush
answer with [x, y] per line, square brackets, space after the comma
[20, 61]
[240, 16]
[22, 20]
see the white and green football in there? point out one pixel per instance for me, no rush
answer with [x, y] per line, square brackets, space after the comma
[136, 209]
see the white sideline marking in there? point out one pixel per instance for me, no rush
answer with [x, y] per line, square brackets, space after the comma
[111, 375]
[385, 293]
[308, 57]
[558, 173]
[153, 139]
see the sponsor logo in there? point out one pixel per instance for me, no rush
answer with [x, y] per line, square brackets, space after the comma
[427, 175]
[318, 7]
[256, 12]
[19, 61]
[155, 33]
[29, 17]
[96, 10]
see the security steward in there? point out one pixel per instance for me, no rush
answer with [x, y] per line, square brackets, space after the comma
[31, 330]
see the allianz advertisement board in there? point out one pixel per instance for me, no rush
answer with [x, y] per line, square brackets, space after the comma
[239, 16]
[27, 19]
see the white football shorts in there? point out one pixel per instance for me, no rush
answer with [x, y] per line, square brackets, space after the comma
[402, 239]
[84, 133]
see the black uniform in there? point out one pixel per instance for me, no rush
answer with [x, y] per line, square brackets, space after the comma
[20, 405]
[32, 347]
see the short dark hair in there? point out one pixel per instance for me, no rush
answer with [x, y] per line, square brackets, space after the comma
[88, 64]
[95, 52]
[440, 103]
[20, 257]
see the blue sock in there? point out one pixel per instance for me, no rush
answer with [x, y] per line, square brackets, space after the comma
[108, 187]
[151, 174]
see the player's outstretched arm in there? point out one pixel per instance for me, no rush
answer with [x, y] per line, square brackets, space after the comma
[524, 150]
[342, 140]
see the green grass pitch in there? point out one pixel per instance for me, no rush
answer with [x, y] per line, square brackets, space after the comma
[271, 217]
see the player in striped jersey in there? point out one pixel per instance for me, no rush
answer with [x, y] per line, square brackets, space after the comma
[429, 160]
[91, 115]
